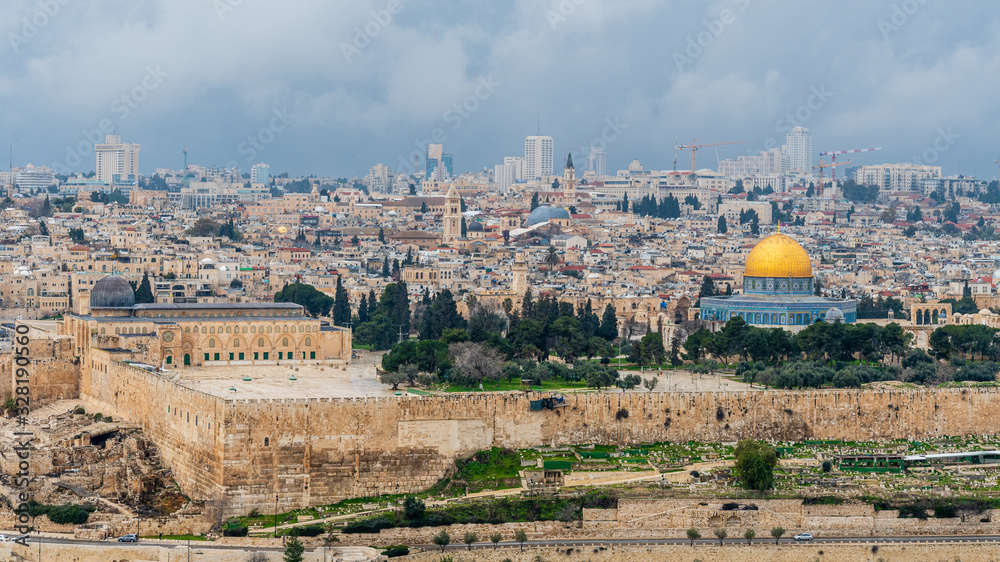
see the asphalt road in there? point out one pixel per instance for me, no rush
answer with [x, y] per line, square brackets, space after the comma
[787, 540]
[567, 543]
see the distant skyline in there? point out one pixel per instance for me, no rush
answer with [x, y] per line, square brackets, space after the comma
[331, 88]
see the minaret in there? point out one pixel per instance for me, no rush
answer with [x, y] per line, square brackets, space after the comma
[519, 280]
[569, 180]
[452, 215]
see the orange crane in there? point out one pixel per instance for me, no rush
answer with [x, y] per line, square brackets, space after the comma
[694, 148]
[819, 186]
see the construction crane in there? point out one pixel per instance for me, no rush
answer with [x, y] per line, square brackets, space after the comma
[819, 186]
[694, 148]
[833, 155]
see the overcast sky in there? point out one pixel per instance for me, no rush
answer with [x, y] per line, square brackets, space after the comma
[332, 87]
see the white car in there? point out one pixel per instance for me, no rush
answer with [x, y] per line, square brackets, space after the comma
[803, 537]
[4, 538]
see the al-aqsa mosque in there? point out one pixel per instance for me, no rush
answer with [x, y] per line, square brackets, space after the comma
[778, 288]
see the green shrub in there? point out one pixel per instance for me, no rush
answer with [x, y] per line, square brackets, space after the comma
[68, 514]
[306, 531]
[240, 531]
[372, 525]
[396, 550]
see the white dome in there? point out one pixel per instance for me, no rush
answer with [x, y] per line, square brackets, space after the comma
[318, 209]
[996, 275]
[224, 268]
[986, 312]
[207, 261]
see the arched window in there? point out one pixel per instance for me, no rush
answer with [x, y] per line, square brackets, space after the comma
[204, 330]
[102, 331]
[285, 330]
[309, 342]
[236, 342]
[260, 342]
[118, 330]
[211, 342]
[229, 329]
[267, 441]
[211, 330]
[187, 329]
[302, 329]
[253, 329]
[284, 342]
[269, 329]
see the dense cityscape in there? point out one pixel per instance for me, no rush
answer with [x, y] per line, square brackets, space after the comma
[486, 345]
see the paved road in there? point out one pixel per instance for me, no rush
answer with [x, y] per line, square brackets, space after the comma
[565, 543]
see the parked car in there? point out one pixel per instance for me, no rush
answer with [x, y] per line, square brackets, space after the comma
[4, 538]
[131, 537]
[803, 537]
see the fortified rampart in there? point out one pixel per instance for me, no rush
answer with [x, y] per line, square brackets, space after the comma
[321, 450]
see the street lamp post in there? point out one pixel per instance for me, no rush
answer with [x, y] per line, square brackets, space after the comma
[275, 515]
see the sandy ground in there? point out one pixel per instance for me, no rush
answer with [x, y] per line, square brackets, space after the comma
[311, 381]
[359, 380]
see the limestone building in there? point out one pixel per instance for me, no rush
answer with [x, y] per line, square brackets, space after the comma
[187, 335]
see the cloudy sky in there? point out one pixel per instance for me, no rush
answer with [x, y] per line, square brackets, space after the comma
[331, 87]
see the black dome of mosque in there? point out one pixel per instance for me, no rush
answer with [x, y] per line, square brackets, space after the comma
[546, 213]
[476, 226]
[112, 292]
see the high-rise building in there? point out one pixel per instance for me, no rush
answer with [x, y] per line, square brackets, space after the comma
[503, 177]
[597, 162]
[520, 166]
[260, 173]
[896, 177]
[438, 166]
[115, 158]
[768, 162]
[798, 151]
[380, 179]
[34, 177]
[538, 157]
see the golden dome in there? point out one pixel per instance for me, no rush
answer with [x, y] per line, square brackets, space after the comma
[778, 256]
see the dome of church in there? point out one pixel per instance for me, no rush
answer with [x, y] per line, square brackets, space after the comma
[778, 256]
[112, 292]
[546, 213]
[476, 226]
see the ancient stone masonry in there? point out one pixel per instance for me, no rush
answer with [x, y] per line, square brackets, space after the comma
[322, 450]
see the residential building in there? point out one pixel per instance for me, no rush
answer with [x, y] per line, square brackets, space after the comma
[115, 158]
[538, 154]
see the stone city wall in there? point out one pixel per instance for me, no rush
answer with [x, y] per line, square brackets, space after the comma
[185, 424]
[53, 373]
[322, 450]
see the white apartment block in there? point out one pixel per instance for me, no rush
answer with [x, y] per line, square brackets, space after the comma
[115, 157]
[766, 163]
[504, 176]
[798, 151]
[380, 179]
[896, 177]
[538, 156]
[597, 162]
[520, 167]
